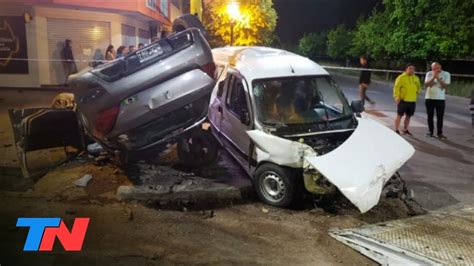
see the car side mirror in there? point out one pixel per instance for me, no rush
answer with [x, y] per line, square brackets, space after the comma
[357, 106]
[245, 117]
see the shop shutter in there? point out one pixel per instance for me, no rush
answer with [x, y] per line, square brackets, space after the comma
[128, 35]
[89, 41]
[143, 36]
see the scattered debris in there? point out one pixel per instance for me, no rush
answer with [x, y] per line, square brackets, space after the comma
[129, 213]
[82, 182]
[207, 214]
[95, 148]
[102, 159]
[64, 100]
[264, 210]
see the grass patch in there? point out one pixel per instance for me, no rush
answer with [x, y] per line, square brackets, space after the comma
[461, 89]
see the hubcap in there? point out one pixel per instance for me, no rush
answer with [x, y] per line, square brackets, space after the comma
[272, 187]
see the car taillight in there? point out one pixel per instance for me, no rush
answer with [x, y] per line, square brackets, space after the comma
[210, 69]
[105, 121]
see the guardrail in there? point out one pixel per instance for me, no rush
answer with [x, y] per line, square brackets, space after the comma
[324, 66]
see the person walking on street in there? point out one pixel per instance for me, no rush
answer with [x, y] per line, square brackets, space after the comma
[406, 88]
[436, 83]
[364, 80]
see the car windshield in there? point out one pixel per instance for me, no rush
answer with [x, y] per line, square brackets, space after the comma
[299, 100]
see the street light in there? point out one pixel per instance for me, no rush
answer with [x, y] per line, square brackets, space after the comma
[233, 10]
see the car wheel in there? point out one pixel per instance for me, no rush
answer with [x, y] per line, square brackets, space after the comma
[187, 21]
[276, 185]
[198, 149]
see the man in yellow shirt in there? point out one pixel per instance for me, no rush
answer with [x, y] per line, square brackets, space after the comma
[406, 89]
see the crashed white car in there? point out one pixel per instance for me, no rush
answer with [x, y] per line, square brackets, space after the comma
[287, 123]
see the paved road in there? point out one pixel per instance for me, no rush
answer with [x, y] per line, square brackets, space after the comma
[441, 173]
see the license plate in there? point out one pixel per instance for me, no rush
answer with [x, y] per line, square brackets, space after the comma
[150, 52]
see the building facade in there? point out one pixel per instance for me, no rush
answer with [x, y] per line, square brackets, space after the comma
[32, 34]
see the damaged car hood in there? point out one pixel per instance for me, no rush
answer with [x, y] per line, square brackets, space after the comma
[364, 163]
[359, 167]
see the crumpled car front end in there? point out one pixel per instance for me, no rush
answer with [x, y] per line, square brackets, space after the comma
[358, 167]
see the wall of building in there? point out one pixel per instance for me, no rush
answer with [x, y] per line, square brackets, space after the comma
[23, 80]
[37, 38]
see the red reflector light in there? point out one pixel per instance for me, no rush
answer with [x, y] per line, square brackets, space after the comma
[105, 121]
[210, 69]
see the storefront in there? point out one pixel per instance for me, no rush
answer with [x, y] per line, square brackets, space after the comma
[32, 36]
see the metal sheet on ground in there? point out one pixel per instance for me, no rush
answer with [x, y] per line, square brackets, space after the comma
[441, 237]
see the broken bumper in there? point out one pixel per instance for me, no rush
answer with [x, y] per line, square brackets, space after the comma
[361, 166]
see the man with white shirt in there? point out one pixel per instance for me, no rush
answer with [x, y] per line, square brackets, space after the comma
[436, 83]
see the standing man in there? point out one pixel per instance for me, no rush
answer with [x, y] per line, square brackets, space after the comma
[407, 86]
[364, 80]
[436, 82]
[67, 57]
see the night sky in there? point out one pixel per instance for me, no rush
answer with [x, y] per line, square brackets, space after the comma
[296, 17]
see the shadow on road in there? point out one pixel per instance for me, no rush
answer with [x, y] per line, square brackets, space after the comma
[452, 154]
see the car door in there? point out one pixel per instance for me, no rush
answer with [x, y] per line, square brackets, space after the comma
[43, 129]
[215, 106]
[236, 119]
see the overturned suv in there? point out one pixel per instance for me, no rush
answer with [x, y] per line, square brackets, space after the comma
[287, 123]
[134, 106]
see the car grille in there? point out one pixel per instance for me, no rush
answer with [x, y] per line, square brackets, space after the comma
[326, 143]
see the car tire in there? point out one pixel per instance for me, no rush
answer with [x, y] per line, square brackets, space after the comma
[277, 186]
[187, 21]
[197, 149]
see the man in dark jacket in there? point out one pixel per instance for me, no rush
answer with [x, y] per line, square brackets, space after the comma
[68, 59]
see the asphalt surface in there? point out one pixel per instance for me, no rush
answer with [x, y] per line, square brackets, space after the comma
[440, 173]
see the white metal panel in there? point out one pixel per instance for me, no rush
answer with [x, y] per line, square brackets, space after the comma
[89, 41]
[364, 162]
[443, 237]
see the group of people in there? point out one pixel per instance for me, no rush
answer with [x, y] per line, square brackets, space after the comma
[405, 91]
[122, 51]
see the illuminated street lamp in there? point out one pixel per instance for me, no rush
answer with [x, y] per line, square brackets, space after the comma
[233, 10]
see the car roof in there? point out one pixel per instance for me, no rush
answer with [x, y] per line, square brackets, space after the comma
[255, 62]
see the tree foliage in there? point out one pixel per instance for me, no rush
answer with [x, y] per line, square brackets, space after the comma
[255, 25]
[339, 42]
[421, 29]
[313, 45]
[369, 37]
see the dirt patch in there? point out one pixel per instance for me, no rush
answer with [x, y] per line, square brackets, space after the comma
[59, 183]
[243, 234]
[189, 231]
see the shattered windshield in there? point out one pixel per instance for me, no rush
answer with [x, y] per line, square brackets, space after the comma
[299, 100]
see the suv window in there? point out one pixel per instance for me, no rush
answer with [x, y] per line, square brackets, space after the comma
[237, 100]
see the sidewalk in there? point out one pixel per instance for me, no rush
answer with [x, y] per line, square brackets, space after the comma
[443, 237]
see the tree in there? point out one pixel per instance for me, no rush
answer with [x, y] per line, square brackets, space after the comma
[254, 26]
[339, 42]
[313, 45]
[369, 38]
[422, 29]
